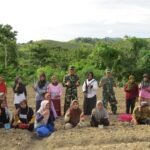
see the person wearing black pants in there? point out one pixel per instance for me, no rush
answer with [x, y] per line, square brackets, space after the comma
[130, 104]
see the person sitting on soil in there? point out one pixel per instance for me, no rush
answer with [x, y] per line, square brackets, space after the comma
[5, 115]
[74, 116]
[24, 117]
[141, 114]
[144, 89]
[99, 115]
[44, 124]
[131, 90]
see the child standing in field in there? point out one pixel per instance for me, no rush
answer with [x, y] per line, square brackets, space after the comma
[131, 90]
[20, 92]
[144, 89]
[55, 91]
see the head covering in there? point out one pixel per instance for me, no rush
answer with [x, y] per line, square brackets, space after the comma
[100, 114]
[1, 78]
[144, 103]
[41, 83]
[108, 70]
[71, 68]
[145, 75]
[74, 113]
[42, 109]
[131, 77]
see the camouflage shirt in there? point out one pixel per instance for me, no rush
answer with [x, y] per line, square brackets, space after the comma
[107, 83]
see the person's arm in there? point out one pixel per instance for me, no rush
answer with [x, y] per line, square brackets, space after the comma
[84, 87]
[95, 85]
[39, 117]
[53, 110]
[31, 121]
[101, 82]
[65, 81]
[106, 116]
[25, 91]
[67, 116]
[126, 88]
[77, 81]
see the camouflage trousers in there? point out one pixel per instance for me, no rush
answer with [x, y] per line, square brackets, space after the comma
[107, 97]
[68, 99]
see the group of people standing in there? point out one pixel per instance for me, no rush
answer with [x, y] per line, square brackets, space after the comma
[48, 102]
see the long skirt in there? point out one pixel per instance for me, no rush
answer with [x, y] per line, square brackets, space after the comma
[57, 106]
[89, 104]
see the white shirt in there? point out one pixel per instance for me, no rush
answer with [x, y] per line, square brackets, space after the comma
[92, 86]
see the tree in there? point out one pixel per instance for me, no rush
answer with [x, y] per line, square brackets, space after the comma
[8, 46]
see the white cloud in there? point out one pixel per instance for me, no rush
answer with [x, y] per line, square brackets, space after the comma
[67, 19]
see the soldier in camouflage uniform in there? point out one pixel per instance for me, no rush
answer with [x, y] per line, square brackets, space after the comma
[141, 114]
[71, 82]
[107, 83]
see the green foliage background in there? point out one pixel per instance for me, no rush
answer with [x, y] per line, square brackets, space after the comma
[125, 56]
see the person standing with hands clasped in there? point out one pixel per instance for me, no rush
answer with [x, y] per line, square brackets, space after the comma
[89, 89]
[71, 82]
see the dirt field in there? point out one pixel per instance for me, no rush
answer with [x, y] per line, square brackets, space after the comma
[119, 136]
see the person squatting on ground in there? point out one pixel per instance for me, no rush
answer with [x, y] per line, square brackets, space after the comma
[5, 115]
[99, 115]
[131, 90]
[71, 82]
[141, 114]
[74, 116]
[107, 83]
[89, 89]
[24, 117]
[44, 125]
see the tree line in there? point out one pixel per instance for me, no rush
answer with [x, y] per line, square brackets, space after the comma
[124, 56]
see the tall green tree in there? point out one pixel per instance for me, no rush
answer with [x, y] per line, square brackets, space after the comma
[8, 45]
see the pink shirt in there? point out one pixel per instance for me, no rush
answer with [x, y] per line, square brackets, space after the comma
[55, 91]
[144, 92]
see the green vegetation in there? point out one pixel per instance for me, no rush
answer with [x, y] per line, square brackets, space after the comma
[126, 56]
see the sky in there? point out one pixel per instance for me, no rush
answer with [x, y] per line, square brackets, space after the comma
[64, 20]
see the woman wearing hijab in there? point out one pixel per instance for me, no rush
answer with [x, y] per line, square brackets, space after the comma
[40, 88]
[131, 90]
[20, 92]
[24, 117]
[144, 89]
[55, 91]
[89, 89]
[52, 108]
[3, 89]
[5, 115]
[74, 116]
[141, 114]
[99, 115]
[44, 125]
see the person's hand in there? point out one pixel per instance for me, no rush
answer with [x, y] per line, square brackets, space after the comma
[77, 83]
[46, 112]
[68, 83]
